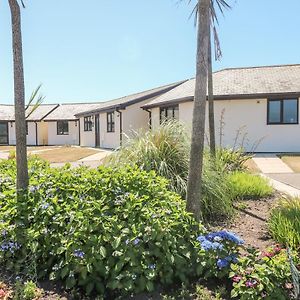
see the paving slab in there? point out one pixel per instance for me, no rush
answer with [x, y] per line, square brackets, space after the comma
[97, 156]
[289, 179]
[283, 187]
[270, 163]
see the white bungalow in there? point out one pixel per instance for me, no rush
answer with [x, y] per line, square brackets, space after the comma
[63, 126]
[35, 126]
[255, 107]
[109, 123]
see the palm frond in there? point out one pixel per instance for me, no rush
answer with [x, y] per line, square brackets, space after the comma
[222, 6]
[34, 102]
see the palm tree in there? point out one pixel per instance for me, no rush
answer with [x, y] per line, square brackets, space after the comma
[19, 96]
[205, 16]
[211, 113]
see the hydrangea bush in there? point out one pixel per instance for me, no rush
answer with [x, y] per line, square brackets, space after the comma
[105, 231]
[221, 249]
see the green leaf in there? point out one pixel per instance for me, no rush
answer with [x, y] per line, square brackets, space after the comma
[89, 288]
[70, 282]
[64, 272]
[116, 242]
[103, 251]
[149, 286]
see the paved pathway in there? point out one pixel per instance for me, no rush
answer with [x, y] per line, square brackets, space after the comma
[280, 175]
[4, 155]
[271, 164]
[283, 187]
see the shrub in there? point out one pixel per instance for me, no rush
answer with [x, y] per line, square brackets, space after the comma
[262, 276]
[231, 160]
[166, 150]
[284, 222]
[103, 230]
[249, 186]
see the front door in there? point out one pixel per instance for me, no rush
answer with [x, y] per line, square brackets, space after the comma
[97, 131]
[3, 133]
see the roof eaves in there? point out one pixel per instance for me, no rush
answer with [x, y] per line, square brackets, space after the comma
[225, 97]
[131, 102]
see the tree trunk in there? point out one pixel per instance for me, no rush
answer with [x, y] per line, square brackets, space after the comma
[211, 113]
[19, 92]
[194, 188]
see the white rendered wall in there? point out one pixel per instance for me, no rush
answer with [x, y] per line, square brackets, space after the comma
[110, 140]
[71, 139]
[87, 138]
[30, 138]
[246, 119]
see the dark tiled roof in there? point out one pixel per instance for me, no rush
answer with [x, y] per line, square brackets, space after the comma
[241, 83]
[131, 99]
[68, 111]
[7, 112]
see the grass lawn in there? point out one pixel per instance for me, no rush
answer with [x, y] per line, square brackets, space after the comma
[65, 154]
[293, 161]
[252, 167]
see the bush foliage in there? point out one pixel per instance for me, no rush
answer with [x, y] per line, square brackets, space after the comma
[284, 222]
[117, 230]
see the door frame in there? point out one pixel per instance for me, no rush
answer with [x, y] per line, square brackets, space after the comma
[7, 132]
[97, 131]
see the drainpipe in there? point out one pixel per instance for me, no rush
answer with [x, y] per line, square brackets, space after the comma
[150, 117]
[121, 127]
[79, 136]
[36, 134]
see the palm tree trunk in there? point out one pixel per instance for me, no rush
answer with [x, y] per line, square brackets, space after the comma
[211, 113]
[197, 146]
[19, 92]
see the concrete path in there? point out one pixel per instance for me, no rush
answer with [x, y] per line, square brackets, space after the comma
[271, 164]
[4, 155]
[283, 187]
[292, 180]
[96, 157]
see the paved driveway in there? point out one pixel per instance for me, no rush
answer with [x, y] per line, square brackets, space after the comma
[292, 179]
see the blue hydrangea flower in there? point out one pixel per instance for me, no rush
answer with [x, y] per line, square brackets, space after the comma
[45, 205]
[209, 245]
[78, 253]
[222, 263]
[136, 241]
[225, 235]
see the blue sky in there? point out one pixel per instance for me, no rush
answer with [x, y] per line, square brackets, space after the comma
[96, 50]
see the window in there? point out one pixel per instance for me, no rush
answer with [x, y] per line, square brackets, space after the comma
[26, 128]
[169, 113]
[111, 122]
[283, 111]
[62, 127]
[88, 123]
